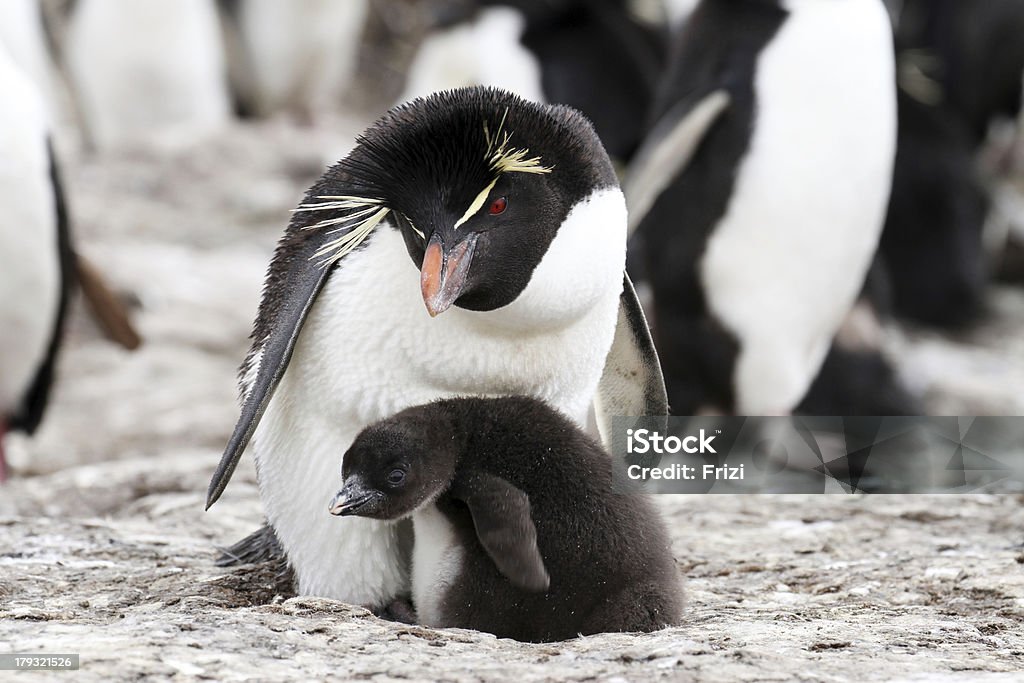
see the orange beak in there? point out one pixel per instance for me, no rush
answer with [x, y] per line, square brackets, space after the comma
[443, 275]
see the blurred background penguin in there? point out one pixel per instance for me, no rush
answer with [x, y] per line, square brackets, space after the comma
[760, 193]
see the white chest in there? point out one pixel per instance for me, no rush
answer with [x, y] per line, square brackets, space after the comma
[22, 33]
[300, 53]
[487, 51]
[150, 72]
[436, 562]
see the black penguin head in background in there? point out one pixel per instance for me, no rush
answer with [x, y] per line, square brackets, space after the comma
[478, 181]
[396, 465]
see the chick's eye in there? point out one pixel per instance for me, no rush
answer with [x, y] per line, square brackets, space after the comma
[498, 206]
[396, 477]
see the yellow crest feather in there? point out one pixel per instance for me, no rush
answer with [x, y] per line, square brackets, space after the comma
[503, 158]
[357, 226]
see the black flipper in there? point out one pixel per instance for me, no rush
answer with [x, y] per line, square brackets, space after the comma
[297, 274]
[632, 383]
[501, 515]
[303, 287]
[30, 413]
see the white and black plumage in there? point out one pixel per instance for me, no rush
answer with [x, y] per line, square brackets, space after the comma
[36, 262]
[761, 192]
[297, 55]
[592, 55]
[147, 70]
[857, 377]
[506, 212]
[518, 531]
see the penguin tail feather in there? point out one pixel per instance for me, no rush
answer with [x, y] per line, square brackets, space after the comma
[261, 551]
[260, 546]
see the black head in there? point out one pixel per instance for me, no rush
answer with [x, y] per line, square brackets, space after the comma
[478, 181]
[396, 465]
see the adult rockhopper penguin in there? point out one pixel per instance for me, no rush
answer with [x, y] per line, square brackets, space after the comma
[472, 243]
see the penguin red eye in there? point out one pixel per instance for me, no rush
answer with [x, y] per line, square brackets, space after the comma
[498, 206]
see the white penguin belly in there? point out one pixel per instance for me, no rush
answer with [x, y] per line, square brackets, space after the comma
[436, 563]
[22, 33]
[486, 51]
[148, 72]
[302, 53]
[370, 349]
[790, 254]
[29, 261]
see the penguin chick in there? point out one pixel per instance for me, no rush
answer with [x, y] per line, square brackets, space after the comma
[518, 532]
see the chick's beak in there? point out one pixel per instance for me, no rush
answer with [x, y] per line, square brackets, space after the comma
[444, 273]
[354, 499]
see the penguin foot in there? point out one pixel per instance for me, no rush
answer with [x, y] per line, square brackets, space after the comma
[400, 610]
[110, 314]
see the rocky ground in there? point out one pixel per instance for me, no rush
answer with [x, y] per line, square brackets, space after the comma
[105, 550]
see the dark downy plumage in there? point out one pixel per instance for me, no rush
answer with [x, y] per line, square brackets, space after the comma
[543, 548]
